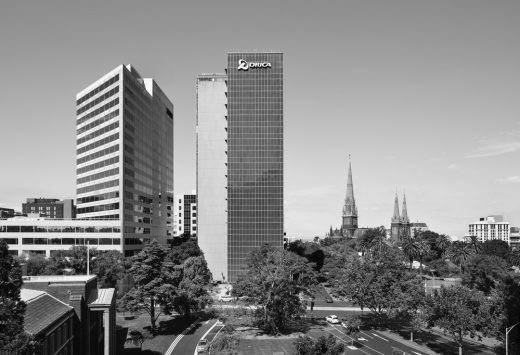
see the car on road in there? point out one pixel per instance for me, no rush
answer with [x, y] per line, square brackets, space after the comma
[332, 319]
[226, 298]
[202, 346]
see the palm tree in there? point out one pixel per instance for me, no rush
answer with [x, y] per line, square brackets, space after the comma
[460, 253]
[411, 249]
[474, 244]
[443, 243]
[423, 250]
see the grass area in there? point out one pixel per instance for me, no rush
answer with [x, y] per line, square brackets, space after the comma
[168, 327]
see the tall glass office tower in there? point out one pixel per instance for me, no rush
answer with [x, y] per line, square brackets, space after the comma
[254, 148]
[125, 156]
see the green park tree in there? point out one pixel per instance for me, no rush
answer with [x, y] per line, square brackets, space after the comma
[460, 253]
[13, 338]
[352, 326]
[496, 247]
[154, 282]
[109, 266]
[377, 282]
[460, 311]
[193, 289]
[272, 282]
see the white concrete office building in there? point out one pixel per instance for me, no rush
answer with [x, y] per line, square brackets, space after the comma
[26, 235]
[489, 228]
[125, 156]
[212, 172]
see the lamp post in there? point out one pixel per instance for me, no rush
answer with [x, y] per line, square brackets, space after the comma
[507, 337]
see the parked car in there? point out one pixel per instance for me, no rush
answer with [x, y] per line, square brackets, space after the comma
[226, 298]
[332, 319]
[328, 299]
[202, 346]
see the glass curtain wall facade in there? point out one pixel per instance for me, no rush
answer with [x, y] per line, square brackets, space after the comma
[125, 156]
[255, 155]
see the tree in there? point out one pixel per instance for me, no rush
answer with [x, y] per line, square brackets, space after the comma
[272, 282]
[496, 247]
[410, 306]
[411, 249]
[13, 338]
[170, 278]
[310, 251]
[192, 295]
[154, 282]
[459, 253]
[36, 264]
[514, 257]
[460, 311]
[352, 326]
[109, 266]
[442, 243]
[377, 282]
[484, 272]
[179, 253]
[474, 244]
[424, 250]
[306, 345]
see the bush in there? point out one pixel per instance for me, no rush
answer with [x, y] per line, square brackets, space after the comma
[226, 344]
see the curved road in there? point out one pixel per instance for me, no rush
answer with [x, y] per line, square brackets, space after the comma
[186, 343]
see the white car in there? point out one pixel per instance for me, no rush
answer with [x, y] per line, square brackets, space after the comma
[332, 319]
[225, 298]
[202, 346]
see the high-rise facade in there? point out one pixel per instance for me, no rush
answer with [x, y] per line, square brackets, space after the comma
[240, 119]
[125, 156]
[212, 172]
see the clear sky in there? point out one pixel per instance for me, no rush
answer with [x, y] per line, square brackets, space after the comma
[423, 94]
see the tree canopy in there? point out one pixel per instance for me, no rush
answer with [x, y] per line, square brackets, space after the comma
[13, 338]
[273, 281]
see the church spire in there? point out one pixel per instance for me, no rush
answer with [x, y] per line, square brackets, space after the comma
[404, 210]
[350, 209]
[396, 217]
[349, 223]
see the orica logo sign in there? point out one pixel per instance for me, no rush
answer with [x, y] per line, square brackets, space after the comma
[244, 65]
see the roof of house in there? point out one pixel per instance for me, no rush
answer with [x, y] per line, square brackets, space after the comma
[105, 297]
[42, 310]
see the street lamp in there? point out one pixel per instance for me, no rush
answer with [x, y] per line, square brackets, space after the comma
[507, 338]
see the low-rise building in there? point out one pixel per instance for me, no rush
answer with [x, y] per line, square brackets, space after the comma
[490, 228]
[70, 315]
[7, 212]
[50, 321]
[44, 235]
[50, 207]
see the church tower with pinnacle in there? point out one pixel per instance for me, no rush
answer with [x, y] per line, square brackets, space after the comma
[400, 225]
[349, 223]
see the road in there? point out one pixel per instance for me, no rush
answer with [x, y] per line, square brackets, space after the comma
[368, 342]
[186, 343]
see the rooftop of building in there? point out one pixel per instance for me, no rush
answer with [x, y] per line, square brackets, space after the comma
[58, 278]
[35, 219]
[105, 297]
[42, 310]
